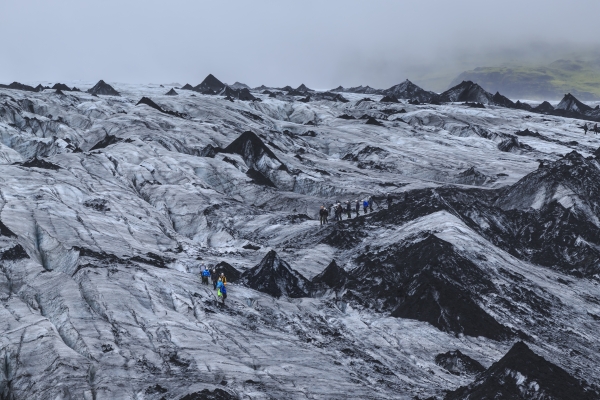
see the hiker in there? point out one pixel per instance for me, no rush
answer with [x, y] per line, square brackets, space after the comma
[585, 129]
[205, 275]
[389, 200]
[322, 216]
[326, 212]
[365, 206]
[339, 210]
[370, 200]
[223, 293]
[223, 279]
[596, 129]
[219, 286]
[349, 209]
[332, 211]
[357, 206]
[213, 278]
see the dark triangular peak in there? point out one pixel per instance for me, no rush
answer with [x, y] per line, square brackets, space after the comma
[20, 86]
[338, 89]
[545, 107]
[363, 90]
[389, 99]
[210, 83]
[426, 279]
[251, 148]
[147, 101]
[333, 276]
[502, 101]
[38, 88]
[467, 91]
[39, 163]
[522, 374]
[276, 278]
[458, 363]
[527, 132]
[231, 274]
[239, 85]
[107, 141]
[304, 88]
[549, 182]
[373, 121]
[330, 96]
[523, 106]
[570, 103]
[58, 91]
[103, 88]
[5, 230]
[14, 253]
[187, 86]
[61, 86]
[410, 91]
[244, 94]
[172, 92]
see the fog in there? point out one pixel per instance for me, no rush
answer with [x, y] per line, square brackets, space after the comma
[320, 43]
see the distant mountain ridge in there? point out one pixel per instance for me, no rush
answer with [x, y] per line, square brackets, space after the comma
[550, 82]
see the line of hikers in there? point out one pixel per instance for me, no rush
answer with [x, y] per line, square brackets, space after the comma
[338, 210]
[595, 129]
[219, 282]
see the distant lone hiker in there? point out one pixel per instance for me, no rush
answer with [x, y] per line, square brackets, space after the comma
[365, 206]
[596, 129]
[370, 200]
[357, 207]
[389, 200]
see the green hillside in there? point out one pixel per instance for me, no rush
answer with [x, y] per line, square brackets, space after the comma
[550, 82]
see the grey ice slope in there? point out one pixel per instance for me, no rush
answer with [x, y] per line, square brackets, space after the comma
[108, 208]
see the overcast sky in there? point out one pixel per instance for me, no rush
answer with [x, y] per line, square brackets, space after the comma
[321, 43]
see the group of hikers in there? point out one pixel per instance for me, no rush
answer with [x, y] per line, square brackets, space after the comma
[595, 129]
[338, 209]
[219, 282]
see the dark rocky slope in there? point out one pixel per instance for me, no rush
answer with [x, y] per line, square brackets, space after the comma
[522, 374]
[276, 278]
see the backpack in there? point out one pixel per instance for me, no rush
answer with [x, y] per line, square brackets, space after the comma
[223, 290]
[206, 273]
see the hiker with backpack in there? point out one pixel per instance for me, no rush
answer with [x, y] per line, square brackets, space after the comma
[223, 279]
[214, 277]
[205, 275]
[365, 206]
[370, 200]
[223, 293]
[357, 206]
[585, 129]
[220, 285]
[349, 209]
[323, 215]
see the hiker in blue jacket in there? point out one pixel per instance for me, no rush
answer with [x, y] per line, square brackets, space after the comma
[365, 206]
[205, 276]
[221, 290]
